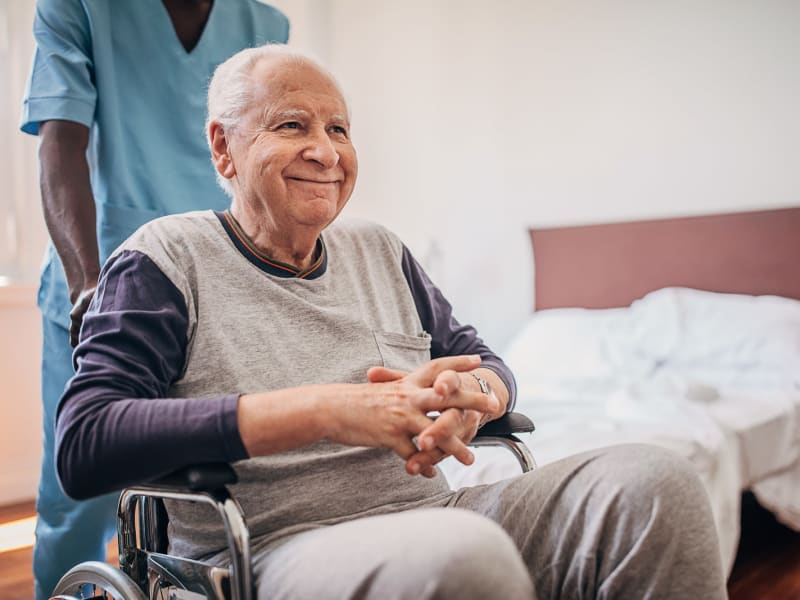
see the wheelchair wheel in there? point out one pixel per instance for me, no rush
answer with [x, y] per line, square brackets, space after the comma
[96, 580]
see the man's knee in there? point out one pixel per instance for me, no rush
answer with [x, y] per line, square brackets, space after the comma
[662, 525]
[475, 558]
[659, 505]
[437, 553]
[650, 474]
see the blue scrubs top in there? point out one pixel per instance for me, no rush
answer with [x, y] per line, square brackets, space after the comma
[120, 69]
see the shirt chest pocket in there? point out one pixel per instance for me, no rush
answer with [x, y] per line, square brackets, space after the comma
[402, 351]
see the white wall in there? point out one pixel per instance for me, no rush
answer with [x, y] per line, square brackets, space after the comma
[22, 233]
[475, 120]
[20, 407]
[22, 241]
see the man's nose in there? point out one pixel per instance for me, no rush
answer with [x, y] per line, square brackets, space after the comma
[321, 149]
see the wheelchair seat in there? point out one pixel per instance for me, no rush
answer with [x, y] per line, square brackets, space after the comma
[146, 571]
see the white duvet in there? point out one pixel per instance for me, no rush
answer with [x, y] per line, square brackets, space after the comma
[714, 377]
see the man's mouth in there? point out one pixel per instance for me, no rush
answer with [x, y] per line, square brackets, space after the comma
[315, 181]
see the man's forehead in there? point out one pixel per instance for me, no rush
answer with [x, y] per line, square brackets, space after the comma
[296, 88]
[282, 75]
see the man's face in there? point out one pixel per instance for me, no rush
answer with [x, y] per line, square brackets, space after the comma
[295, 165]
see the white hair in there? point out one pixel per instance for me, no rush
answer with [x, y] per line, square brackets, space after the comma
[230, 91]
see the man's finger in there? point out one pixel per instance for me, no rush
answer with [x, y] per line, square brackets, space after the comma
[405, 448]
[429, 472]
[438, 440]
[443, 427]
[423, 462]
[464, 399]
[426, 374]
[447, 382]
[455, 447]
[384, 375]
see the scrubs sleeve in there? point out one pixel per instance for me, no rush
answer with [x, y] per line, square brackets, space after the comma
[61, 84]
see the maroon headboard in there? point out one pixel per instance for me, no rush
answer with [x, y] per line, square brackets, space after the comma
[611, 265]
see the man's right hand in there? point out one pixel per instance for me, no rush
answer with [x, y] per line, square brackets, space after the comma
[77, 312]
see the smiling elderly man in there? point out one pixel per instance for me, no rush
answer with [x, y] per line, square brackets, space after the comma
[309, 354]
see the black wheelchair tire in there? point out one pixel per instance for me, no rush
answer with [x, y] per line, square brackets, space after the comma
[101, 575]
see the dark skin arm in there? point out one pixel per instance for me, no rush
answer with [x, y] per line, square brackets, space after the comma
[69, 211]
[67, 199]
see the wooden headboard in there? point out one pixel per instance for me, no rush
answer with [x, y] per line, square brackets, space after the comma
[611, 265]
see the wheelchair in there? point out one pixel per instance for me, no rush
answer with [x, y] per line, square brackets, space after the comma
[146, 572]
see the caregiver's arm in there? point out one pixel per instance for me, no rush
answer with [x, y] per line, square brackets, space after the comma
[69, 210]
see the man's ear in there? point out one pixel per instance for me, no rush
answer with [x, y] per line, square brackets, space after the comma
[220, 153]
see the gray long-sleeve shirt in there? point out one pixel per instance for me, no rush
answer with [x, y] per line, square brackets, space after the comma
[189, 315]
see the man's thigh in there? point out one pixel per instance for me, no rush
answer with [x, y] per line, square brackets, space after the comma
[424, 553]
[593, 524]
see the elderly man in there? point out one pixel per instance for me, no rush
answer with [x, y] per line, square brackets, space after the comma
[310, 354]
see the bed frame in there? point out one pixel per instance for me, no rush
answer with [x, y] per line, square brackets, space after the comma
[611, 265]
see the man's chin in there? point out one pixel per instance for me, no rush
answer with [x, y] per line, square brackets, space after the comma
[317, 211]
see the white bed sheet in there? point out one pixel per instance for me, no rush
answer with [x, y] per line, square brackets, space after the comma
[569, 427]
[766, 427]
[714, 377]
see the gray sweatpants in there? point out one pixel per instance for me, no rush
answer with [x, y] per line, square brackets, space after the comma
[628, 522]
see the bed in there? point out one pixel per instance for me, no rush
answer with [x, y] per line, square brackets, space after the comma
[679, 332]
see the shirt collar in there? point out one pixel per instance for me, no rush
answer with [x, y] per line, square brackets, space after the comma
[264, 262]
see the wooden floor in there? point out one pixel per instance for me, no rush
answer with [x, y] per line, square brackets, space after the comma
[16, 580]
[767, 565]
[15, 566]
[768, 561]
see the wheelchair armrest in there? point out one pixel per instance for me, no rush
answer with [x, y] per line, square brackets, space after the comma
[204, 483]
[508, 424]
[203, 477]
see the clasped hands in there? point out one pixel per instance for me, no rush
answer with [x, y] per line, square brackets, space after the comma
[392, 410]
[446, 390]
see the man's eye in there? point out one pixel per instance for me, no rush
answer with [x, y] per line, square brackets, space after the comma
[339, 129]
[290, 125]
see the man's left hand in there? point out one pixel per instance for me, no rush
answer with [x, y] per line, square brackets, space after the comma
[449, 433]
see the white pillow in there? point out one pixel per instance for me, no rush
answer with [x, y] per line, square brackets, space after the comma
[676, 329]
[682, 327]
[562, 343]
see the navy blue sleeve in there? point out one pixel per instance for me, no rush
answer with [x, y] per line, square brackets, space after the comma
[114, 426]
[450, 338]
